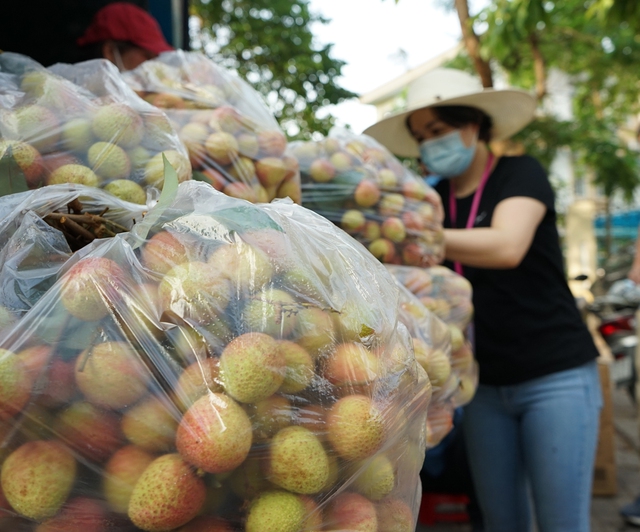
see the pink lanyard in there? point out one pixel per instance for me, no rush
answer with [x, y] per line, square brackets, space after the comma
[477, 196]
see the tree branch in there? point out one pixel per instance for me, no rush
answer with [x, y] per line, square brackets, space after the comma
[539, 66]
[472, 43]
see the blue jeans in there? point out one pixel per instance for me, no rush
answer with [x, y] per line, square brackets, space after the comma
[535, 440]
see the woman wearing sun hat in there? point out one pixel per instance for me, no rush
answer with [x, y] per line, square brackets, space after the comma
[533, 422]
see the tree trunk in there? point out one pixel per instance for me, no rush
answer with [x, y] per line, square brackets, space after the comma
[539, 67]
[472, 43]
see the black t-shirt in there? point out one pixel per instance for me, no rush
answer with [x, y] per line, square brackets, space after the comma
[527, 324]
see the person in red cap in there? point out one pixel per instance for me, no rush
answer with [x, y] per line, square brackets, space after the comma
[125, 34]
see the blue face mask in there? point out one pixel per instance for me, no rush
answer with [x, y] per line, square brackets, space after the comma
[447, 156]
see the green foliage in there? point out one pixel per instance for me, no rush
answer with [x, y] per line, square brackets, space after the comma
[600, 51]
[270, 44]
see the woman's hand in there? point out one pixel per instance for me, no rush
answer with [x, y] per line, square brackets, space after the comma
[504, 244]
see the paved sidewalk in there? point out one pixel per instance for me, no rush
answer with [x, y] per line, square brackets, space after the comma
[604, 510]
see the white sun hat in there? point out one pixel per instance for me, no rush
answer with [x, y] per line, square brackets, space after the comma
[510, 109]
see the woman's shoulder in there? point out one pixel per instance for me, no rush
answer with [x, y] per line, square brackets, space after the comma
[521, 163]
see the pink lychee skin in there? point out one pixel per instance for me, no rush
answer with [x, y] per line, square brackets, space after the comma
[163, 251]
[272, 143]
[252, 367]
[215, 434]
[352, 511]
[355, 427]
[350, 363]
[80, 514]
[92, 432]
[167, 495]
[395, 515]
[270, 171]
[367, 193]
[393, 229]
[87, 283]
[322, 171]
[382, 249]
[413, 255]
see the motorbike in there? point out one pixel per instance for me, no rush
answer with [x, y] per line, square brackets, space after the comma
[616, 311]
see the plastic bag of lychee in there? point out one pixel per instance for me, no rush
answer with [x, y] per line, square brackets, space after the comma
[233, 139]
[360, 186]
[82, 124]
[223, 366]
[448, 296]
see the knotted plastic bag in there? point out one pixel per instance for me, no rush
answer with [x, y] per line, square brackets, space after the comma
[359, 185]
[233, 139]
[223, 365]
[82, 124]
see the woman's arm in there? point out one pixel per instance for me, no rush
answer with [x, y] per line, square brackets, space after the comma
[505, 243]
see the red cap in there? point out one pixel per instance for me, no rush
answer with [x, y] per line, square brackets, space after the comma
[122, 21]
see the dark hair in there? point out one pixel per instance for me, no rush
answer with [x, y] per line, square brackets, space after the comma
[461, 115]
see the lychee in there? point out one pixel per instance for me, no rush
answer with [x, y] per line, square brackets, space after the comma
[121, 473]
[151, 424]
[315, 331]
[154, 169]
[355, 427]
[394, 515]
[197, 380]
[215, 434]
[110, 375]
[300, 367]
[222, 147]
[163, 251]
[194, 290]
[37, 478]
[270, 171]
[252, 367]
[109, 160]
[94, 433]
[269, 416]
[118, 123]
[74, 173]
[374, 478]
[275, 511]
[167, 495]
[80, 514]
[77, 134]
[271, 311]
[127, 190]
[15, 384]
[272, 143]
[298, 461]
[245, 265]
[351, 363]
[38, 126]
[351, 511]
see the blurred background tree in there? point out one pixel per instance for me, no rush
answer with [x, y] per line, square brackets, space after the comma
[596, 45]
[271, 45]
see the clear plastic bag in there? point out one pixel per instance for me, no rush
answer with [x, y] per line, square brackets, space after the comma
[222, 365]
[82, 124]
[359, 185]
[449, 296]
[39, 231]
[233, 139]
